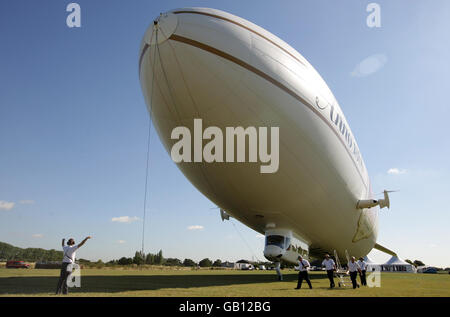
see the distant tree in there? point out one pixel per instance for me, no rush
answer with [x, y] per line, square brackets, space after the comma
[205, 263]
[189, 262]
[125, 261]
[139, 258]
[217, 263]
[83, 261]
[173, 262]
[53, 255]
[154, 259]
[150, 258]
[418, 263]
[159, 259]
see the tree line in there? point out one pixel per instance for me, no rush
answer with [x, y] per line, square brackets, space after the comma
[158, 259]
[10, 252]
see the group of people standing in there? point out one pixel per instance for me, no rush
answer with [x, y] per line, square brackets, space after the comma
[354, 267]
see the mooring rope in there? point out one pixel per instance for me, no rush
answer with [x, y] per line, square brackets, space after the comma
[248, 246]
[148, 140]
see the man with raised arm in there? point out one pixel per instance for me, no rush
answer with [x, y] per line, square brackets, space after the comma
[68, 260]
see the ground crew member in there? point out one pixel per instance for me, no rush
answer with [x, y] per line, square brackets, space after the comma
[353, 268]
[303, 272]
[68, 259]
[363, 266]
[330, 267]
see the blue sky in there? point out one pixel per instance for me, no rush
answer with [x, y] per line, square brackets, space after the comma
[73, 124]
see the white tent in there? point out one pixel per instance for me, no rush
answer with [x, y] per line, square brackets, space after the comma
[395, 264]
[371, 265]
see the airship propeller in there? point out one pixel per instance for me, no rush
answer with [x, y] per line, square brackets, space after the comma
[370, 203]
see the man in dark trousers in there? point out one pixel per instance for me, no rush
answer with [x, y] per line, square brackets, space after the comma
[362, 274]
[353, 268]
[330, 267]
[68, 259]
[303, 266]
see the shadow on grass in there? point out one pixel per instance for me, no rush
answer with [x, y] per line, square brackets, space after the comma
[114, 284]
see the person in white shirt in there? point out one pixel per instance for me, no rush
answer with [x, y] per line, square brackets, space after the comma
[330, 267]
[68, 258]
[362, 274]
[303, 272]
[353, 268]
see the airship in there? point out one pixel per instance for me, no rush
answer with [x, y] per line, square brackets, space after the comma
[209, 65]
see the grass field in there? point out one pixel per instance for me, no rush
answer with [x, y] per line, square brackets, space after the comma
[190, 283]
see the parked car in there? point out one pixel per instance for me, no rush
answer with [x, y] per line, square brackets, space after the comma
[17, 265]
[247, 268]
[430, 270]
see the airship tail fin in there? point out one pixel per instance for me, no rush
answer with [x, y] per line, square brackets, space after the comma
[385, 250]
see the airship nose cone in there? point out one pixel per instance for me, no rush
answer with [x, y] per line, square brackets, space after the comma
[161, 28]
[272, 252]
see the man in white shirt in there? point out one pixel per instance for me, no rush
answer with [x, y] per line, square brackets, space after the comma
[353, 268]
[362, 274]
[68, 258]
[303, 272]
[330, 267]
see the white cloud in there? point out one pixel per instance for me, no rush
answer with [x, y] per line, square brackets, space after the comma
[121, 241]
[26, 202]
[195, 227]
[369, 65]
[396, 171]
[6, 205]
[124, 219]
[38, 235]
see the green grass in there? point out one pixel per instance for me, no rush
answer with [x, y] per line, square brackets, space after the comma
[190, 283]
